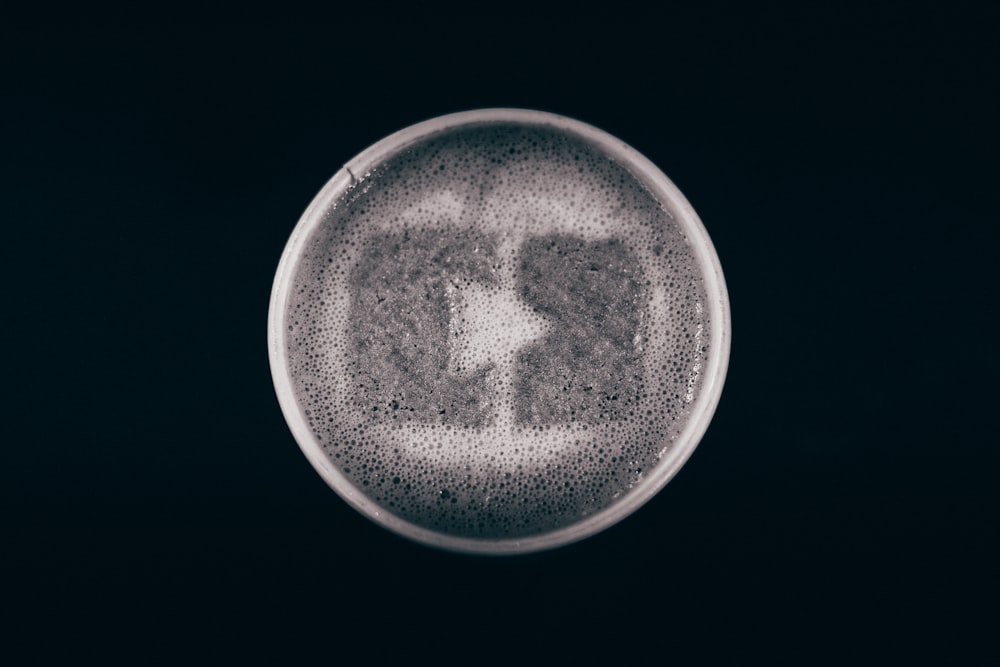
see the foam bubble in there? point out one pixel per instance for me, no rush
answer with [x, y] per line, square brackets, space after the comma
[497, 332]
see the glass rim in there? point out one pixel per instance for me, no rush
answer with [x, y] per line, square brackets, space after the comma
[663, 189]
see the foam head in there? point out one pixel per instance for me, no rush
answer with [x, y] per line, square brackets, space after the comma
[497, 335]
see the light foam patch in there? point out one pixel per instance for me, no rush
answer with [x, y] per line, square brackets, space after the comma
[489, 324]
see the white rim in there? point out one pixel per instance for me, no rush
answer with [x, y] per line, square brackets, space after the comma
[702, 408]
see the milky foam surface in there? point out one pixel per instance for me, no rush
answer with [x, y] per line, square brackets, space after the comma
[497, 332]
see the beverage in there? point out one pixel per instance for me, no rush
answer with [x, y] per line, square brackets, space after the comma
[498, 331]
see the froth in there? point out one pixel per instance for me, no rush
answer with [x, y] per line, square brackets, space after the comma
[497, 332]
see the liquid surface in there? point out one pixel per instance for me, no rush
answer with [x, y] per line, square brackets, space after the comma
[497, 332]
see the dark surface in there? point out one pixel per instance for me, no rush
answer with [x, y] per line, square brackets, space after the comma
[413, 270]
[841, 504]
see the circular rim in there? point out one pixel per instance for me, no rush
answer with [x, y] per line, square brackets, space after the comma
[662, 188]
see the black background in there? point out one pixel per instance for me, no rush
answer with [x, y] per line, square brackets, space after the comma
[841, 505]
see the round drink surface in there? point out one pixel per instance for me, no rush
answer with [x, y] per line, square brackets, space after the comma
[495, 335]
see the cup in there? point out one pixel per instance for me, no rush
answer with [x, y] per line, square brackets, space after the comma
[498, 331]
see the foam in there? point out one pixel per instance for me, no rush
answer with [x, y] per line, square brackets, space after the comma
[497, 332]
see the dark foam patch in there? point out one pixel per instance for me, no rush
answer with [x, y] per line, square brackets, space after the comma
[497, 333]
